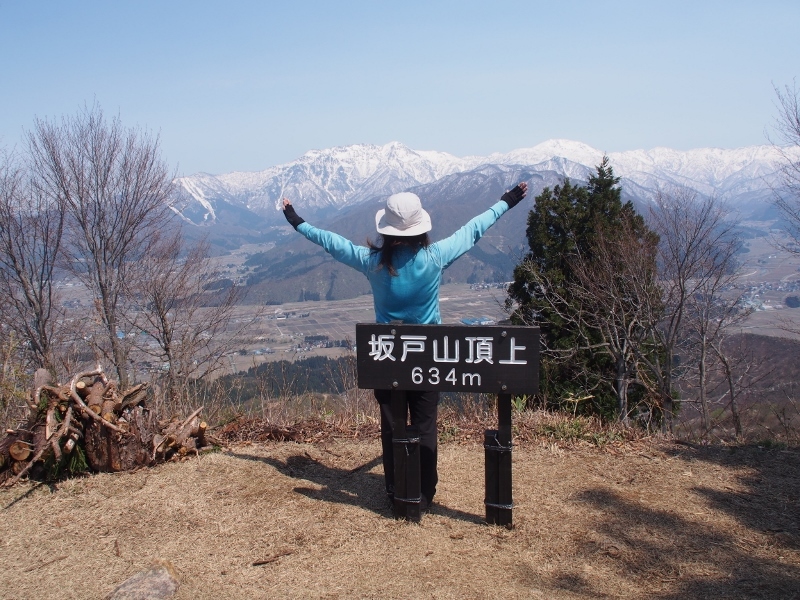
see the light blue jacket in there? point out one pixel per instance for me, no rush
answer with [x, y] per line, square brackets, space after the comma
[413, 295]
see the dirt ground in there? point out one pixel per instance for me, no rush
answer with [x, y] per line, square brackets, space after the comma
[647, 520]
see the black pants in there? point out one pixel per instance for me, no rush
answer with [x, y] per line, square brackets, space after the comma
[423, 407]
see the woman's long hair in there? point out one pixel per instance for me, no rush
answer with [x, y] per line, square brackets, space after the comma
[391, 243]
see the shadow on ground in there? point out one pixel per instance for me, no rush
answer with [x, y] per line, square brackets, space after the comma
[356, 487]
[751, 554]
[769, 498]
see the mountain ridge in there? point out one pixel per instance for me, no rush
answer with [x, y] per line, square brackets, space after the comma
[327, 180]
[341, 188]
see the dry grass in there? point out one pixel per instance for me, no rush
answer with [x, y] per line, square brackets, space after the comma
[630, 519]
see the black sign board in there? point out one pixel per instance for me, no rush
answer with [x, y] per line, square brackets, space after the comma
[448, 358]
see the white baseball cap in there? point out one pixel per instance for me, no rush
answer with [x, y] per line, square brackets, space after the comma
[403, 216]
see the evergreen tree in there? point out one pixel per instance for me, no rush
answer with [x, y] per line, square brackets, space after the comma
[564, 230]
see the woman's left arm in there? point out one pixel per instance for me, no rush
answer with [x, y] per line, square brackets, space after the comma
[340, 248]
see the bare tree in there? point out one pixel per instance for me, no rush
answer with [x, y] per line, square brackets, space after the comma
[714, 309]
[787, 198]
[30, 237]
[740, 372]
[611, 303]
[697, 266]
[619, 302]
[13, 380]
[787, 144]
[181, 312]
[113, 188]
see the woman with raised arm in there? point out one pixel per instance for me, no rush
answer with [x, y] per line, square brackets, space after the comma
[405, 271]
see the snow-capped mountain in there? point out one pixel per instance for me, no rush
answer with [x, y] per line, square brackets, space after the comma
[326, 179]
[323, 182]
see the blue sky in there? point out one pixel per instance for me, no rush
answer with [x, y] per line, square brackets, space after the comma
[241, 85]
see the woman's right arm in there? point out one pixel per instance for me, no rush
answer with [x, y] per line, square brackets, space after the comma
[465, 238]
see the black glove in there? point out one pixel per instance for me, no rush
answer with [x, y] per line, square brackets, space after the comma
[513, 197]
[291, 216]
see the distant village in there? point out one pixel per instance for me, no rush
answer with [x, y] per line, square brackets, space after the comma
[753, 297]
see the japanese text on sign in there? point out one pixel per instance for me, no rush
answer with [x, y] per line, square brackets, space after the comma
[448, 357]
[478, 349]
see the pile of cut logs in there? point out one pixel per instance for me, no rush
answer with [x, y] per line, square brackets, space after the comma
[91, 425]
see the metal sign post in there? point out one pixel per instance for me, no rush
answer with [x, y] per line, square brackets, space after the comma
[484, 359]
[405, 445]
[497, 458]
